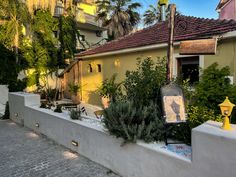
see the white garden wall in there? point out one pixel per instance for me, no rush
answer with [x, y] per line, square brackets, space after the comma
[214, 150]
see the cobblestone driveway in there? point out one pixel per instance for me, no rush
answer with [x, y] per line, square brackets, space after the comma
[24, 153]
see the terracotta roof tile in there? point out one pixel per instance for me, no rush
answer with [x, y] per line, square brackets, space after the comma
[186, 28]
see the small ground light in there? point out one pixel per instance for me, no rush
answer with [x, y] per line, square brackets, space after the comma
[75, 143]
[37, 125]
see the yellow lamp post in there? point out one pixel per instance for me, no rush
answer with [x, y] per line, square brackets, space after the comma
[226, 109]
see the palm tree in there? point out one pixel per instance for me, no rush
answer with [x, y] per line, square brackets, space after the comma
[13, 15]
[118, 16]
[153, 14]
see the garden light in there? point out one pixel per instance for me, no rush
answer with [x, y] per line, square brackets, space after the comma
[226, 109]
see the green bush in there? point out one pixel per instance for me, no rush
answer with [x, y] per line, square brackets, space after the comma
[74, 88]
[198, 115]
[125, 120]
[137, 114]
[58, 109]
[213, 87]
[143, 85]
[110, 89]
[75, 114]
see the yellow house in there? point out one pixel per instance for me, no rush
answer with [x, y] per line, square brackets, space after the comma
[97, 64]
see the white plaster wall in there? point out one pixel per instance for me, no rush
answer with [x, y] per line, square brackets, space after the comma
[3, 98]
[214, 150]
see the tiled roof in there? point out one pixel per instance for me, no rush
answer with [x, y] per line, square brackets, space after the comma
[222, 3]
[186, 28]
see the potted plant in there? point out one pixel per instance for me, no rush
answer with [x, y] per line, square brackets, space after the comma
[74, 89]
[109, 90]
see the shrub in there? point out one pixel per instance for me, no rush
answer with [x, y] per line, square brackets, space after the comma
[213, 87]
[75, 114]
[74, 88]
[110, 89]
[17, 85]
[58, 109]
[143, 85]
[197, 115]
[124, 120]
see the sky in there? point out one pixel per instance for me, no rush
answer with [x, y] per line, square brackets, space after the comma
[197, 8]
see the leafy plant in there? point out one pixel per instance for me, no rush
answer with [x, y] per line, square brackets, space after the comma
[109, 88]
[74, 88]
[118, 16]
[213, 87]
[75, 114]
[125, 120]
[58, 109]
[143, 85]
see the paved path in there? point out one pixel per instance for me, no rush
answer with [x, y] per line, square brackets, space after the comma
[24, 153]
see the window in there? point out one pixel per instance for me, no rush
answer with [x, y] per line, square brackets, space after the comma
[188, 68]
[99, 68]
[90, 69]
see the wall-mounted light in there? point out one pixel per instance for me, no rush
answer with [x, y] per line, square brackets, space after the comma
[37, 125]
[117, 63]
[16, 115]
[75, 143]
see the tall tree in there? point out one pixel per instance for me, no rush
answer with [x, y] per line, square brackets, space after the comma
[118, 16]
[13, 15]
[153, 14]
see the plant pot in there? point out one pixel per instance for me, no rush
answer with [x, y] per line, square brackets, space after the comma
[75, 99]
[105, 102]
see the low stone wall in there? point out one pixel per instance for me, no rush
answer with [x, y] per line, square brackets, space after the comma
[213, 149]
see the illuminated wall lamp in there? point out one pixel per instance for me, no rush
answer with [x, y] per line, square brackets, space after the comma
[117, 63]
[75, 143]
[37, 125]
[16, 115]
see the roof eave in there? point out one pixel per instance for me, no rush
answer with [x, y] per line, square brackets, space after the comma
[123, 51]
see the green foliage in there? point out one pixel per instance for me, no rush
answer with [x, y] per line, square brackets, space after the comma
[74, 88]
[58, 109]
[125, 120]
[110, 88]
[75, 114]
[203, 100]
[9, 70]
[153, 14]
[68, 36]
[143, 85]
[17, 85]
[138, 115]
[7, 111]
[118, 16]
[213, 87]
[198, 115]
